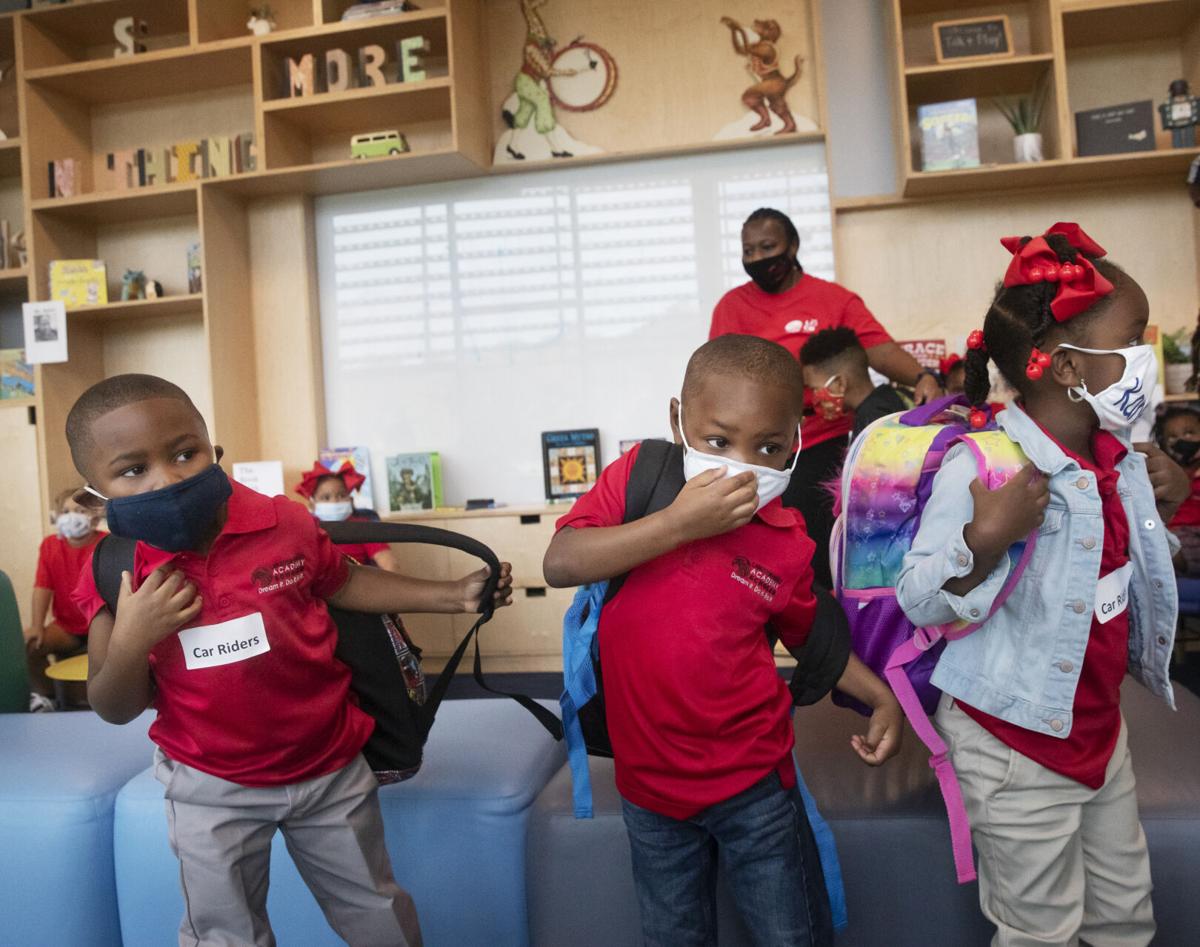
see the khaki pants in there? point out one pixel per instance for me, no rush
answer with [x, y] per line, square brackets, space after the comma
[221, 833]
[1058, 862]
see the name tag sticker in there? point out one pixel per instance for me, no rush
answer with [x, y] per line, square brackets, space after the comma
[1112, 594]
[230, 641]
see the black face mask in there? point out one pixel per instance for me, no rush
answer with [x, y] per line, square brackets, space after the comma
[770, 272]
[1184, 450]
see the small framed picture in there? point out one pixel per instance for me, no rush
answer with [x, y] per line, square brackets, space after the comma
[570, 462]
[45, 332]
[980, 37]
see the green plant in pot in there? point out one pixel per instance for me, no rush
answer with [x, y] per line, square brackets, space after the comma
[1024, 114]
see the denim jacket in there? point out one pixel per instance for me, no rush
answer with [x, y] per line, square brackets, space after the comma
[1023, 664]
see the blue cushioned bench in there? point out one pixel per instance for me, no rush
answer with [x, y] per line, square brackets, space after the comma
[456, 833]
[58, 781]
[892, 837]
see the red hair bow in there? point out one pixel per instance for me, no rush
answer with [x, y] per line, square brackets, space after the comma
[346, 473]
[1080, 284]
[946, 365]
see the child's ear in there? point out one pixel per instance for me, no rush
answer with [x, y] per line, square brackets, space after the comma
[219, 452]
[1066, 368]
[675, 432]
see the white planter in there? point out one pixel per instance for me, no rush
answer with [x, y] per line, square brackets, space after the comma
[1176, 380]
[1027, 148]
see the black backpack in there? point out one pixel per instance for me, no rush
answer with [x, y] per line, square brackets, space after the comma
[374, 647]
[654, 482]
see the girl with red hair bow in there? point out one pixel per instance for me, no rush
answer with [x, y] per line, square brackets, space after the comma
[1031, 708]
[328, 493]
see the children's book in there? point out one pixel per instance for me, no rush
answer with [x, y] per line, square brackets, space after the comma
[570, 462]
[16, 375]
[77, 283]
[360, 457]
[414, 482]
[949, 135]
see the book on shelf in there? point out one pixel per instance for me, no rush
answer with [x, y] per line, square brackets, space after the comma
[1115, 129]
[77, 283]
[360, 458]
[414, 482]
[949, 135]
[570, 462]
[16, 374]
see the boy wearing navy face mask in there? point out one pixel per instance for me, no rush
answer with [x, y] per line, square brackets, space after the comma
[699, 718]
[223, 624]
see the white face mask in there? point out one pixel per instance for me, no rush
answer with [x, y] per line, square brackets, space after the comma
[1119, 405]
[333, 512]
[73, 524]
[771, 482]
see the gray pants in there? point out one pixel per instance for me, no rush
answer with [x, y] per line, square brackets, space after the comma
[221, 833]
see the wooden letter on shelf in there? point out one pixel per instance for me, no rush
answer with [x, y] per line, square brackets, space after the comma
[185, 156]
[300, 75]
[121, 170]
[156, 168]
[127, 30]
[406, 51]
[370, 65]
[219, 157]
[337, 70]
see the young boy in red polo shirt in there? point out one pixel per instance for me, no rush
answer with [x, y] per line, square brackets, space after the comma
[223, 625]
[699, 718]
[61, 558]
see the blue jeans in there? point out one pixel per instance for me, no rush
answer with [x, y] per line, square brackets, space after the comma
[766, 848]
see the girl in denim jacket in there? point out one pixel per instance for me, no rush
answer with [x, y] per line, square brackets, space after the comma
[1031, 703]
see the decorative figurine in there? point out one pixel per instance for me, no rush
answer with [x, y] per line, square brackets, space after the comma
[378, 145]
[130, 31]
[1181, 113]
[262, 20]
[133, 285]
[771, 86]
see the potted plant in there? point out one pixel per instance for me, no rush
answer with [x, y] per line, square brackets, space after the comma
[1178, 358]
[1025, 116]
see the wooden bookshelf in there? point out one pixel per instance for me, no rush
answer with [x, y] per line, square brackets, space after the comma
[1090, 53]
[187, 304]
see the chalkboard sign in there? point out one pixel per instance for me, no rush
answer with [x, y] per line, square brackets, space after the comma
[978, 38]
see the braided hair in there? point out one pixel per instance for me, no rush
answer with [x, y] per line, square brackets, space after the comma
[784, 221]
[1019, 319]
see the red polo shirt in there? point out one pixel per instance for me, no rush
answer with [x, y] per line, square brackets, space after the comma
[791, 318]
[273, 707]
[59, 567]
[1096, 714]
[696, 710]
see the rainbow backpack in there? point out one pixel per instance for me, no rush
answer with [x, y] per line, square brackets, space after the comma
[885, 484]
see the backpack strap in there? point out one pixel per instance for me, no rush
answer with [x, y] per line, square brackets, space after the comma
[922, 640]
[112, 556]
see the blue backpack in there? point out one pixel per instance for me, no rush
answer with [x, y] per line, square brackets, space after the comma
[654, 482]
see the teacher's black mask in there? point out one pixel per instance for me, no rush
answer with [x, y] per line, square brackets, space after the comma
[770, 272]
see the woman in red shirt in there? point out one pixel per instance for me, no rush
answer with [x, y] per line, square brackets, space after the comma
[783, 304]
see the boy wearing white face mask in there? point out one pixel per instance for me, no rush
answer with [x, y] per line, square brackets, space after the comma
[328, 494]
[61, 558]
[700, 720]
[1031, 703]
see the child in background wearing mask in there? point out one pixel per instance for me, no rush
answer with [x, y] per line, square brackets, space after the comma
[222, 622]
[1178, 433]
[699, 718]
[1031, 700]
[835, 372]
[61, 559]
[329, 497]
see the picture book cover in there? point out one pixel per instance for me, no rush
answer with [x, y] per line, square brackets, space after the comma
[414, 482]
[77, 283]
[949, 135]
[570, 461]
[16, 374]
[1115, 129]
[360, 457]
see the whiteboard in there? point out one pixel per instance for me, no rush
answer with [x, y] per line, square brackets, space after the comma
[466, 317]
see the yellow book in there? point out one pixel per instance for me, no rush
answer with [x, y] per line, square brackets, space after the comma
[78, 282]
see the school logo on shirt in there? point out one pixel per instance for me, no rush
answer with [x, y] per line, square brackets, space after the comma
[759, 580]
[802, 326]
[279, 576]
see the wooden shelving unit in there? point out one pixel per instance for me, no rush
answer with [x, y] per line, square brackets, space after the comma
[1090, 53]
[187, 304]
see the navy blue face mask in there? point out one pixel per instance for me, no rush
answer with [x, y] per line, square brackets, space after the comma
[172, 518]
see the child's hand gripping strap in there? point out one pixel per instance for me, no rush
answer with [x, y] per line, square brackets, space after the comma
[921, 641]
[347, 532]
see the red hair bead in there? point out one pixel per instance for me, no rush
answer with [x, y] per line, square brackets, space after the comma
[1051, 273]
[977, 418]
[1036, 274]
[975, 339]
[1034, 371]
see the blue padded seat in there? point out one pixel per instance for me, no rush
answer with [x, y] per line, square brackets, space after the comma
[59, 780]
[455, 832]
